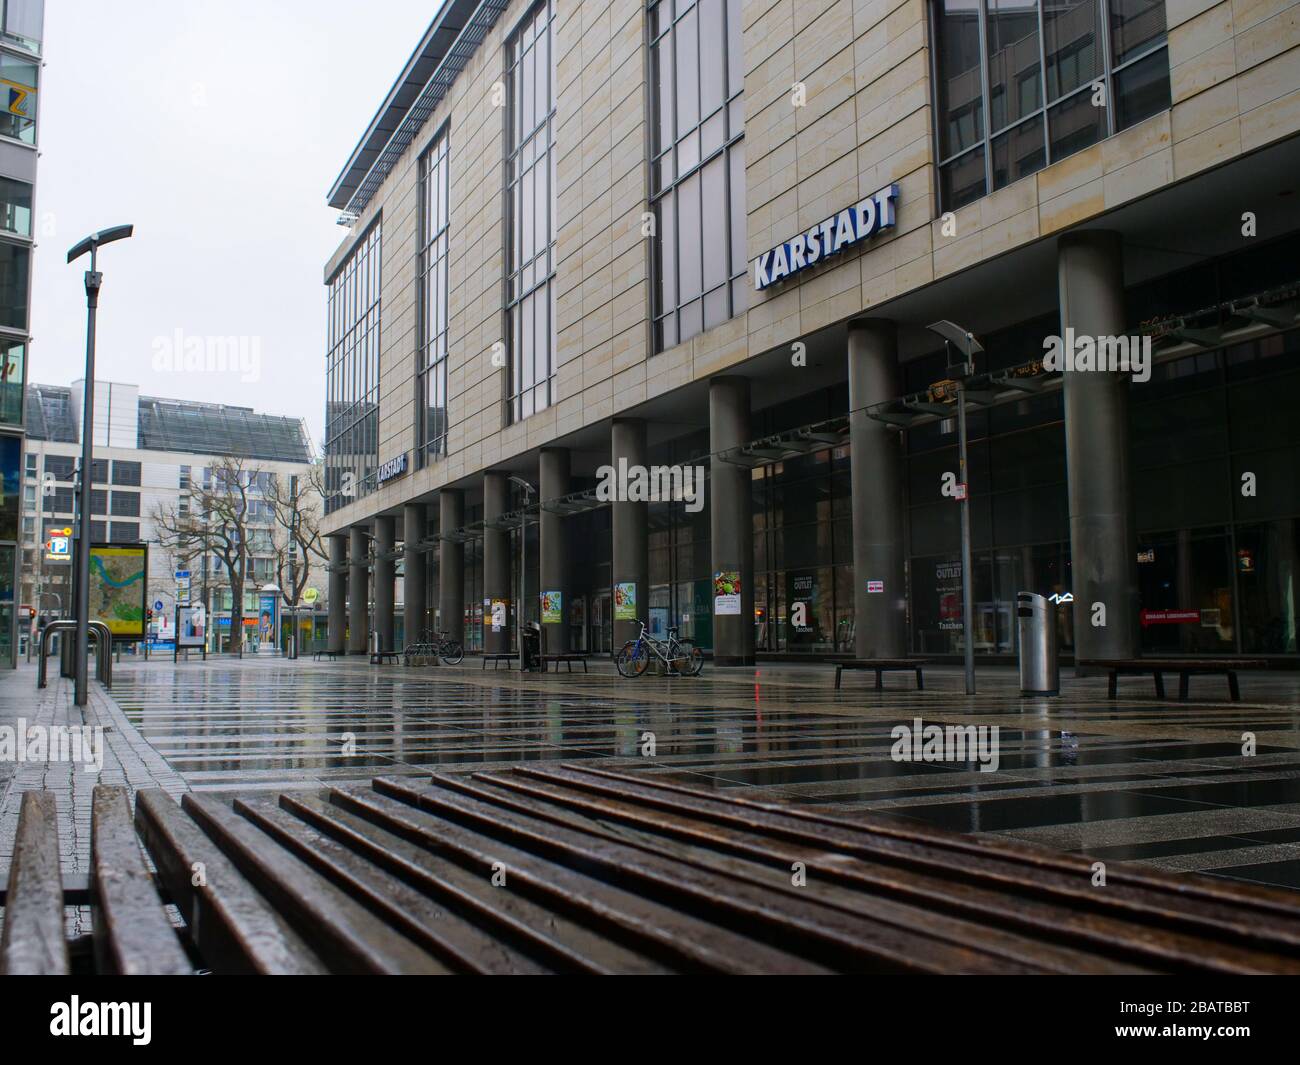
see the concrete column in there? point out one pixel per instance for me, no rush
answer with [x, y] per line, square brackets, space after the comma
[358, 591]
[1103, 539]
[553, 478]
[876, 472]
[413, 572]
[496, 559]
[336, 630]
[451, 564]
[731, 520]
[385, 569]
[631, 533]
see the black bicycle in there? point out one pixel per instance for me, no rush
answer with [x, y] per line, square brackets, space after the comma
[436, 645]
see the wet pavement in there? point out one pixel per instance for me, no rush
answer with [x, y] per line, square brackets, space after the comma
[1157, 782]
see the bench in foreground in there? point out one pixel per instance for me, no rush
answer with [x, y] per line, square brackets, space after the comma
[1184, 667]
[569, 868]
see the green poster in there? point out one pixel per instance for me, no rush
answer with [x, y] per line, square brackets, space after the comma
[552, 608]
[625, 601]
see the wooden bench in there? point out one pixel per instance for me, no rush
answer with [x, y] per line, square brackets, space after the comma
[498, 656]
[1184, 667]
[570, 868]
[882, 666]
[378, 658]
[566, 657]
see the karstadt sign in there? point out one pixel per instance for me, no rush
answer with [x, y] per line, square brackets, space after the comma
[842, 230]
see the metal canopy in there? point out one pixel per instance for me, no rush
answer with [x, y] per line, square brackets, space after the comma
[453, 38]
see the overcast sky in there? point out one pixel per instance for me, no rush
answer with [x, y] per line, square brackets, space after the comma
[216, 127]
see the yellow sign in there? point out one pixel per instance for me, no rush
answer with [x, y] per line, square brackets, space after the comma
[18, 94]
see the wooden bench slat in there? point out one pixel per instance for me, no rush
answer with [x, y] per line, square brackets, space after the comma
[346, 935]
[792, 921]
[765, 864]
[413, 913]
[692, 943]
[133, 935]
[34, 942]
[560, 942]
[234, 928]
[977, 882]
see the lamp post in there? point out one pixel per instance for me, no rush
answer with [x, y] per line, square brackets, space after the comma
[93, 281]
[523, 565]
[954, 336]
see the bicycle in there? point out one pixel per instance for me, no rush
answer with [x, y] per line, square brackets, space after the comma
[680, 656]
[436, 645]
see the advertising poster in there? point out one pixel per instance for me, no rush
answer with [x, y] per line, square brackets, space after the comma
[191, 627]
[266, 619]
[625, 601]
[498, 615]
[947, 584]
[118, 591]
[552, 608]
[726, 592]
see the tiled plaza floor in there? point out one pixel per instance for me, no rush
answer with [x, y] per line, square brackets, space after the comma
[1157, 782]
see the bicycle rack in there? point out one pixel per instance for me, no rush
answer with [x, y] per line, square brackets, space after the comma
[103, 649]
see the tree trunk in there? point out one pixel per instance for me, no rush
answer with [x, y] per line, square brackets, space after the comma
[236, 615]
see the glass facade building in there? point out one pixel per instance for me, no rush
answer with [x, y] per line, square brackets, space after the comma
[21, 36]
[352, 374]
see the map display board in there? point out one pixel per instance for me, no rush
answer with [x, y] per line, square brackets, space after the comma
[119, 588]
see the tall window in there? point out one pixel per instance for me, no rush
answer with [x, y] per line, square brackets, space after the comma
[530, 206]
[1021, 84]
[431, 381]
[352, 375]
[698, 173]
[18, 83]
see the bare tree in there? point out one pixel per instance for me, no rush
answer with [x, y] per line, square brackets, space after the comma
[296, 509]
[218, 523]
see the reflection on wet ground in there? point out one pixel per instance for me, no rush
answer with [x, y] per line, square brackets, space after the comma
[1163, 783]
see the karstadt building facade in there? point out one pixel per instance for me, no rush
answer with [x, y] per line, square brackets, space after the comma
[593, 240]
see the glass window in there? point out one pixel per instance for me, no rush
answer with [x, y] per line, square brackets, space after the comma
[15, 262]
[127, 473]
[961, 98]
[431, 319]
[699, 167]
[18, 84]
[1136, 26]
[1020, 63]
[126, 504]
[123, 532]
[530, 205]
[23, 23]
[352, 375]
[12, 358]
[16, 206]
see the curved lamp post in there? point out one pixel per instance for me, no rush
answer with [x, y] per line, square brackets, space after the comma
[81, 595]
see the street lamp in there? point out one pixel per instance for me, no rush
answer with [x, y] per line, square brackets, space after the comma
[523, 564]
[954, 336]
[82, 596]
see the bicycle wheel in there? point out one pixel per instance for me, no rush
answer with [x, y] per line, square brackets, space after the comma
[452, 652]
[692, 659]
[632, 659]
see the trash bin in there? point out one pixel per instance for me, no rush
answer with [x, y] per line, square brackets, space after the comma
[532, 647]
[1040, 671]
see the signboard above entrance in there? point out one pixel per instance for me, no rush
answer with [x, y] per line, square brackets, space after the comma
[828, 237]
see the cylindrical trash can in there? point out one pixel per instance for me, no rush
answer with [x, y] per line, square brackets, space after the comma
[1040, 671]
